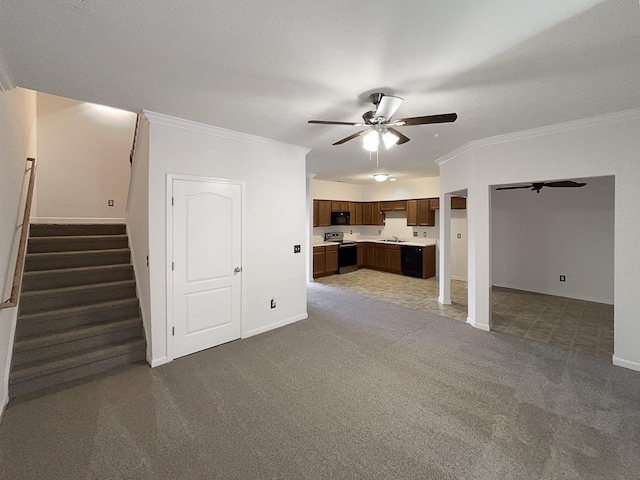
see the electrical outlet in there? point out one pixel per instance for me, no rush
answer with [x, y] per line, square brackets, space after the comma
[273, 303]
[424, 234]
[379, 232]
[415, 234]
[563, 278]
[296, 249]
[350, 232]
[459, 235]
[110, 203]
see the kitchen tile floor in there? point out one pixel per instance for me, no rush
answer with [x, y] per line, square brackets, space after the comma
[574, 325]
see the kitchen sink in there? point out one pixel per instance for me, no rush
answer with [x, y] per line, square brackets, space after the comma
[394, 241]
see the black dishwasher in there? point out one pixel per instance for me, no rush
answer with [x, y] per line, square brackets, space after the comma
[412, 261]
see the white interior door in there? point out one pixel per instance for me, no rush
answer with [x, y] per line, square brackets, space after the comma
[206, 256]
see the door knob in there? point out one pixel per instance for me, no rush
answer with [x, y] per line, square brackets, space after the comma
[237, 269]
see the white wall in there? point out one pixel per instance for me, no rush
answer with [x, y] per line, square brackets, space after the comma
[597, 147]
[275, 189]
[536, 237]
[137, 220]
[84, 160]
[17, 142]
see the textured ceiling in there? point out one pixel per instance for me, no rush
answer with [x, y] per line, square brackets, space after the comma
[265, 67]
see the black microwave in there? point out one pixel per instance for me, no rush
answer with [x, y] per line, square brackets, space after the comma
[340, 218]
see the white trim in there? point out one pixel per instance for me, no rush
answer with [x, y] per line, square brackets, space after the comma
[620, 362]
[479, 326]
[134, 165]
[77, 220]
[143, 312]
[157, 362]
[600, 120]
[170, 177]
[456, 277]
[169, 121]
[444, 301]
[6, 81]
[281, 323]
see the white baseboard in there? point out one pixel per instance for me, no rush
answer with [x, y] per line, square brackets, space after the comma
[76, 220]
[455, 277]
[157, 362]
[444, 301]
[620, 362]
[556, 293]
[480, 326]
[279, 324]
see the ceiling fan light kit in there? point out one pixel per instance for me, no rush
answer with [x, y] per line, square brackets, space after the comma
[380, 123]
[380, 177]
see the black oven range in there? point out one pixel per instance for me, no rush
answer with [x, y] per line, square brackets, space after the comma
[347, 251]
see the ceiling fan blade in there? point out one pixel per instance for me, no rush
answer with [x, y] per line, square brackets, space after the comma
[351, 137]
[403, 138]
[514, 188]
[442, 118]
[565, 183]
[387, 106]
[329, 122]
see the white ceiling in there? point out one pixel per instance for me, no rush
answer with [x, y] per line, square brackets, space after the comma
[265, 67]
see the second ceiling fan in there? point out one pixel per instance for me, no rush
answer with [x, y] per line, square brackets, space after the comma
[380, 123]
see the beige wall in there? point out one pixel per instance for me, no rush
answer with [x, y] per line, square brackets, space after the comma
[84, 161]
[17, 142]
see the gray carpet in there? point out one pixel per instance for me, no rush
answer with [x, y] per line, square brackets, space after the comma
[360, 390]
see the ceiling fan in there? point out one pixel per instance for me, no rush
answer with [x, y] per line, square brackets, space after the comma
[381, 125]
[538, 185]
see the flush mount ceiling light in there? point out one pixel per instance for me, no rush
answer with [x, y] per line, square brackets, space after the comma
[380, 177]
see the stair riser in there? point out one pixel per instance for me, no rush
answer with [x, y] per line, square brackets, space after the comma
[97, 341]
[69, 244]
[42, 303]
[55, 261]
[55, 322]
[48, 280]
[36, 384]
[41, 230]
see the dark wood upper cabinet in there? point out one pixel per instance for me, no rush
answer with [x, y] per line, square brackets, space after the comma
[412, 213]
[316, 214]
[339, 206]
[457, 203]
[358, 216]
[393, 206]
[426, 216]
[324, 213]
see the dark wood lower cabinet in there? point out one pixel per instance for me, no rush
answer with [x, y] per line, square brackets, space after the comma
[325, 260]
[378, 256]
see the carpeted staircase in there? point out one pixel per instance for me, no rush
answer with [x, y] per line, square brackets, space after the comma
[79, 314]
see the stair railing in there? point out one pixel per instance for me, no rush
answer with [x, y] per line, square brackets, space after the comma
[17, 275]
[135, 137]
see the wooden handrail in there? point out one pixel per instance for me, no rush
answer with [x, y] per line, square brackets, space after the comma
[22, 247]
[135, 136]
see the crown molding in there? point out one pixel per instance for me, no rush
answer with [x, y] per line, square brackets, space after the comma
[6, 82]
[162, 119]
[600, 120]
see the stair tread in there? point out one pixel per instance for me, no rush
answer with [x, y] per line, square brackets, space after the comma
[78, 252]
[42, 368]
[75, 237]
[72, 311]
[90, 268]
[73, 334]
[76, 288]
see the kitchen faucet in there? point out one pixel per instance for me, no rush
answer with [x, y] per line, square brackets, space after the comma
[395, 238]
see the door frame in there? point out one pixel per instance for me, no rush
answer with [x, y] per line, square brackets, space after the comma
[170, 177]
